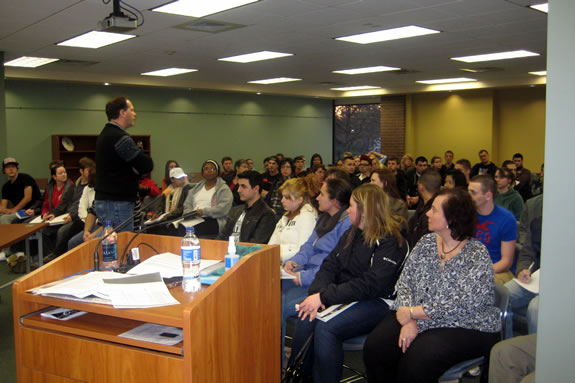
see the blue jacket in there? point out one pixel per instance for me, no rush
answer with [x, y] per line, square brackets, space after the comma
[312, 253]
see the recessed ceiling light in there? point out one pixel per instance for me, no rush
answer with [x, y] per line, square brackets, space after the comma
[274, 80]
[106, 84]
[446, 80]
[388, 34]
[495, 56]
[362, 87]
[541, 7]
[371, 69]
[30, 62]
[168, 72]
[95, 39]
[539, 73]
[200, 8]
[256, 56]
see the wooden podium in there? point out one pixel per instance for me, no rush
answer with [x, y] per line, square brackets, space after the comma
[231, 328]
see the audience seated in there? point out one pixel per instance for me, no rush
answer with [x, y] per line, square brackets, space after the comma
[496, 227]
[445, 309]
[413, 180]
[464, 166]
[407, 162]
[513, 360]
[74, 223]
[228, 173]
[337, 173]
[363, 268]
[271, 177]
[523, 177]
[147, 188]
[274, 197]
[436, 163]
[364, 169]
[298, 221]
[239, 167]
[166, 182]
[253, 221]
[429, 184]
[507, 197]
[455, 179]
[332, 223]
[484, 166]
[385, 179]
[58, 198]
[211, 199]
[20, 192]
[318, 172]
[315, 160]
[299, 164]
[400, 176]
[349, 167]
[522, 301]
[448, 165]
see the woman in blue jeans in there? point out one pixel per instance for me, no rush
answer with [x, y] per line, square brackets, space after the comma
[363, 268]
[333, 202]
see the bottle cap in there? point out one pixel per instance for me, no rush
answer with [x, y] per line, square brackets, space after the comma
[231, 245]
[190, 229]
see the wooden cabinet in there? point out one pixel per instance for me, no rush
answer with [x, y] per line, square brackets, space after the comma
[69, 148]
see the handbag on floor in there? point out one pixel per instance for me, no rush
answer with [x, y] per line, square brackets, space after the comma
[294, 371]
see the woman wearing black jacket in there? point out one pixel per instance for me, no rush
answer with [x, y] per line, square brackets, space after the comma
[363, 268]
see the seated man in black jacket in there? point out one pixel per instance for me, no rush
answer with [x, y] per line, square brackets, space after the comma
[253, 221]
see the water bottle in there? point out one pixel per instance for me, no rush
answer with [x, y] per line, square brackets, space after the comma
[231, 257]
[191, 261]
[109, 248]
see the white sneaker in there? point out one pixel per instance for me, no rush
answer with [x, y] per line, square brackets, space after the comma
[2, 256]
[20, 254]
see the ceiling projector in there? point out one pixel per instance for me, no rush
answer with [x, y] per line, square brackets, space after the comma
[117, 24]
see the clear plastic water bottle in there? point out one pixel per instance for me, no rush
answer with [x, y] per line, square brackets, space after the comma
[191, 261]
[231, 257]
[109, 248]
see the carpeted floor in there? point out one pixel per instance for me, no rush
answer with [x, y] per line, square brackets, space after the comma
[7, 366]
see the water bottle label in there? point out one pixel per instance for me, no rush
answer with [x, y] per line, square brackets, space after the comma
[230, 261]
[190, 254]
[109, 252]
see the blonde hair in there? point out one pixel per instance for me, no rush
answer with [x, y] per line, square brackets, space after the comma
[406, 156]
[379, 218]
[296, 188]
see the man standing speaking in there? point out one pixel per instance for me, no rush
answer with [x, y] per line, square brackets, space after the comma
[120, 163]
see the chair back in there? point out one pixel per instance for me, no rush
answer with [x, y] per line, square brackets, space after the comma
[502, 301]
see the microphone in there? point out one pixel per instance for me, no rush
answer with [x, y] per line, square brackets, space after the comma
[120, 227]
[184, 217]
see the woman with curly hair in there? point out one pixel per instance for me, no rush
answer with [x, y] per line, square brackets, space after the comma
[445, 309]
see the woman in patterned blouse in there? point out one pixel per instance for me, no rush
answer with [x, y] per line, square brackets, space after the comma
[445, 309]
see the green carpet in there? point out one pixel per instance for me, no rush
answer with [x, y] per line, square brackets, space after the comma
[7, 363]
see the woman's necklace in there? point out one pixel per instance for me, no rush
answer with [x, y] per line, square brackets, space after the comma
[444, 253]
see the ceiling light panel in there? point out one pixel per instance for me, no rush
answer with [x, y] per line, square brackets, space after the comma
[256, 56]
[495, 56]
[350, 88]
[541, 7]
[201, 8]
[539, 73]
[30, 62]
[96, 40]
[169, 72]
[274, 80]
[388, 34]
[371, 69]
[446, 80]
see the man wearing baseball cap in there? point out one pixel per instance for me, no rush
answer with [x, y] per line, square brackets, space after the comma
[20, 190]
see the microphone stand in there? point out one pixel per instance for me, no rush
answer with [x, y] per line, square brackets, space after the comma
[184, 217]
[119, 227]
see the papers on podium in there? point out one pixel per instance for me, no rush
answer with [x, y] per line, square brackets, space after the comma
[155, 333]
[169, 265]
[119, 290]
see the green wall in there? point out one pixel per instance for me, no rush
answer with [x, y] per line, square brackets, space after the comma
[186, 125]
